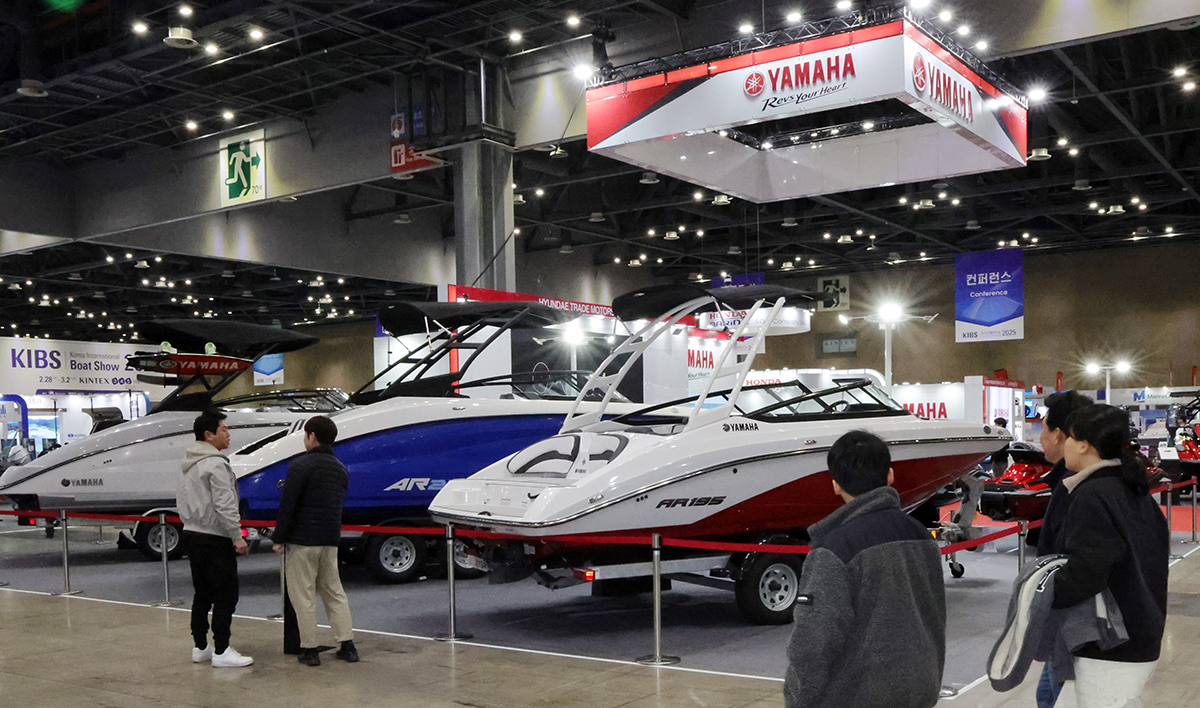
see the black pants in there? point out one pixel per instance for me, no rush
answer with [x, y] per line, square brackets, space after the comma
[214, 577]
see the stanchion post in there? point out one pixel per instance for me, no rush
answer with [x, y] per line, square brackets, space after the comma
[282, 588]
[1195, 491]
[1021, 534]
[657, 658]
[1168, 501]
[62, 520]
[453, 634]
[162, 551]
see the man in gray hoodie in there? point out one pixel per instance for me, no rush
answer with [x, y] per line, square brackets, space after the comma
[207, 498]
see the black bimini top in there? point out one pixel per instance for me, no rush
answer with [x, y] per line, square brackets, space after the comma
[412, 317]
[239, 339]
[652, 302]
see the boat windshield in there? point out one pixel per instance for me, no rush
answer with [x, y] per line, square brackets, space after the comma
[791, 401]
[309, 401]
[541, 385]
[851, 399]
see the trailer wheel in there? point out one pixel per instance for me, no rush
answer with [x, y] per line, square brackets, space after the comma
[767, 590]
[462, 571]
[148, 537]
[395, 558]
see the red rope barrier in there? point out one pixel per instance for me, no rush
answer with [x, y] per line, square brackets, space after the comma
[964, 545]
[736, 547]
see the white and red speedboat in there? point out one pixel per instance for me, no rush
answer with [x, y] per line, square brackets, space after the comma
[745, 464]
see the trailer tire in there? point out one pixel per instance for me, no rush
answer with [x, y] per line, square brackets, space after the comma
[395, 558]
[767, 589]
[146, 533]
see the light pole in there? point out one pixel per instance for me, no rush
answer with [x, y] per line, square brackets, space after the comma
[887, 317]
[1121, 367]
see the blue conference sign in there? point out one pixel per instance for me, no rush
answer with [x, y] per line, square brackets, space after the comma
[989, 296]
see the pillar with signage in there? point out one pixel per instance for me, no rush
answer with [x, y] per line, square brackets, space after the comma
[485, 249]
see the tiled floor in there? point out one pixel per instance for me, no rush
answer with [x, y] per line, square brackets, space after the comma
[65, 652]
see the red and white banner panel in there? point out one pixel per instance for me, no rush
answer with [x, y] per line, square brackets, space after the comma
[671, 123]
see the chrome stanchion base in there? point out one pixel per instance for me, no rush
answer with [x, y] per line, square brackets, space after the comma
[277, 617]
[3, 584]
[172, 603]
[62, 593]
[651, 660]
[947, 692]
[447, 637]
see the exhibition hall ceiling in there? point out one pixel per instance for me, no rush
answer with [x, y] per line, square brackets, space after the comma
[1114, 139]
[1114, 136]
[91, 292]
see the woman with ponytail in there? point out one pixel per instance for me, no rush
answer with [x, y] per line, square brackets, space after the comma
[1115, 538]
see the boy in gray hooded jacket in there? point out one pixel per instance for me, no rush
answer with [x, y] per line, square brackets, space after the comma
[207, 498]
[870, 620]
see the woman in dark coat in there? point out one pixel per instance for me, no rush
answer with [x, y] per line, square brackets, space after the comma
[1115, 538]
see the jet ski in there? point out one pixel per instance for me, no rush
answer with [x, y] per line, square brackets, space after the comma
[745, 464]
[130, 467]
[434, 423]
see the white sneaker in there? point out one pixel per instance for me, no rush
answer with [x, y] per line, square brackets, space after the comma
[199, 656]
[230, 659]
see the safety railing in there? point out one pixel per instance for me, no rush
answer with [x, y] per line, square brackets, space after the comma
[656, 542]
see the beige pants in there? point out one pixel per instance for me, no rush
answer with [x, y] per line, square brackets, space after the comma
[312, 571]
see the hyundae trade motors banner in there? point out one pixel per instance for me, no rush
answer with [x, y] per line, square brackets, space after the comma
[989, 296]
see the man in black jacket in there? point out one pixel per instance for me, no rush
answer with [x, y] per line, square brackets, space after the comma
[871, 614]
[308, 529]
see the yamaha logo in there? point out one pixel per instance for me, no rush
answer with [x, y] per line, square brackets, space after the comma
[86, 482]
[920, 74]
[739, 427]
[755, 83]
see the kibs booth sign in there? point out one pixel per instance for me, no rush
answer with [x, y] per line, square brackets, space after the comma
[989, 296]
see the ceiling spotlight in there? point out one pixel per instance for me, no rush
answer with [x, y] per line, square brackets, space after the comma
[1189, 86]
[723, 133]
[185, 10]
[844, 5]
[572, 21]
[1073, 152]
[868, 125]
[191, 125]
[648, 178]
[903, 200]
[699, 233]
[211, 48]
[1037, 94]
[746, 28]
[227, 115]
[256, 34]
[981, 45]
[793, 16]
[140, 28]
[583, 71]
[1062, 142]
[1179, 71]
[827, 236]
[1134, 200]
[1141, 207]
[698, 196]
[955, 202]
[721, 200]
[650, 232]
[514, 36]
[945, 16]
[963, 30]
[539, 192]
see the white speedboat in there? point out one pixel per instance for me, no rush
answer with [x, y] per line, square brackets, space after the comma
[744, 464]
[131, 467]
